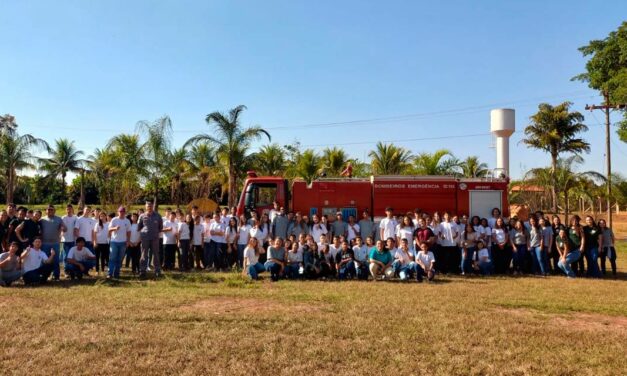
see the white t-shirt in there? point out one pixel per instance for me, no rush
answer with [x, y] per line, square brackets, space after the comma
[205, 230]
[293, 257]
[405, 258]
[406, 233]
[450, 232]
[333, 251]
[499, 234]
[425, 258]
[135, 235]
[33, 260]
[70, 224]
[483, 252]
[389, 228]
[393, 253]
[258, 233]
[229, 235]
[102, 233]
[244, 234]
[318, 229]
[124, 227]
[197, 236]
[170, 236]
[85, 226]
[249, 253]
[217, 226]
[79, 255]
[352, 231]
[183, 231]
[492, 222]
[361, 253]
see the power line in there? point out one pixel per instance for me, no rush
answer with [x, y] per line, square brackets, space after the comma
[402, 140]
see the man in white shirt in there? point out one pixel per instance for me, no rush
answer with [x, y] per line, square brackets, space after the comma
[274, 211]
[318, 228]
[217, 228]
[120, 234]
[352, 230]
[84, 228]
[79, 260]
[36, 265]
[387, 226]
[67, 237]
[170, 229]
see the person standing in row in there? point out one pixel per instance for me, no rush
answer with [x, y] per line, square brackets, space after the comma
[607, 251]
[169, 230]
[366, 226]
[387, 226]
[67, 238]
[51, 228]
[84, 228]
[150, 224]
[134, 248]
[120, 233]
[101, 241]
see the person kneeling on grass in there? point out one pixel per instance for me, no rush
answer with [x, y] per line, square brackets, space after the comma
[276, 259]
[425, 263]
[79, 260]
[568, 253]
[404, 264]
[361, 258]
[482, 259]
[10, 265]
[252, 266]
[346, 262]
[295, 260]
[36, 265]
[380, 262]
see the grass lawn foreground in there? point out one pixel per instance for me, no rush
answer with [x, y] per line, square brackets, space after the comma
[222, 324]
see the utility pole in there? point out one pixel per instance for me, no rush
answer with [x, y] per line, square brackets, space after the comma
[606, 107]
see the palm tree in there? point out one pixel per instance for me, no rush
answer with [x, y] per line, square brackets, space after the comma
[554, 129]
[307, 166]
[202, 167]
[334, 160]
[130, 164]
[232, 142]
[178, 165]
[156, 149]
[7, 124]
[441, 162]
[103, 165]
[388, 159]
[471, 167]
[15, 155]
[64, 158]
[270, 160]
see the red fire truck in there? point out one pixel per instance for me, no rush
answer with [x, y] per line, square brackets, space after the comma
[351, 196]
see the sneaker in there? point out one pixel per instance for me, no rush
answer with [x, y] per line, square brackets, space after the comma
[142, 275]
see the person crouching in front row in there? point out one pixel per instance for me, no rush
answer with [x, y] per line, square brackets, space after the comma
[79, 260]
[276, 260]
[36, 265]
[425, 263]
[346, 262]
[380, 262]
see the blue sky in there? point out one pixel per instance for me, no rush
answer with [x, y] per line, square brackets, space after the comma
[87, 70]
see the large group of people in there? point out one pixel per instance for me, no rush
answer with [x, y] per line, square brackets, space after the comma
[415, 245]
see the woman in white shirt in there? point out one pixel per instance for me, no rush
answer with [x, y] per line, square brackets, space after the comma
[133, 252]
[101, 241]
[482, 261]
[197, 242]
[404, 264]
[405, 230]
[252, 266]
[243, 235]
[425, 263]
[447, 251]
[184, 236]
[230, 235]
[501, 249]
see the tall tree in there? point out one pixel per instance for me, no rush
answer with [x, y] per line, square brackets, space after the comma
[471, 167]
[202, 168]
[156, 147]
[7, 124]
[555, 130]
[64, 158]
[334, 160]
[270, 160]
[307, 166]
[388, 159]
[232, 142]
[16, 155]
[440, 162]
[178, 165]
[129, 164]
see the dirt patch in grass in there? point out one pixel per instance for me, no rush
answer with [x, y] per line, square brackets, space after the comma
[223, 305]
[574, 321]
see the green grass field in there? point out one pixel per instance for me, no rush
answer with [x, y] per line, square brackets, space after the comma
[214, 324]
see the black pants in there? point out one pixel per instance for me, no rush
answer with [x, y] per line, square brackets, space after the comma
[133, 254]
[612, 257]
[184, 259]
[502, 258]
[198, 256]
[39, 275]
[102, 256]
[170, 251]
[554, 258]
[221, 256]
[450, 260]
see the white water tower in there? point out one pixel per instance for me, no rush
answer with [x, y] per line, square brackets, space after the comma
[502, 126]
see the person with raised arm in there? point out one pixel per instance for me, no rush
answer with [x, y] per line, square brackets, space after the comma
[36, 265]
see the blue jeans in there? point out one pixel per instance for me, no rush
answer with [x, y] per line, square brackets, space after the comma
[592, 259]
[420, 273]
[539, 260]
[66, 249]
[571, 258]
[467, 260]
[292, 271]
[209, 254]
[347, 271]
[362, 271]
[75, 271]
[518, 257]
[56, 272]
[274, 270]
[115, 258]
[240, 255]
[486, 267]
[403, 271]
[254, 270]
